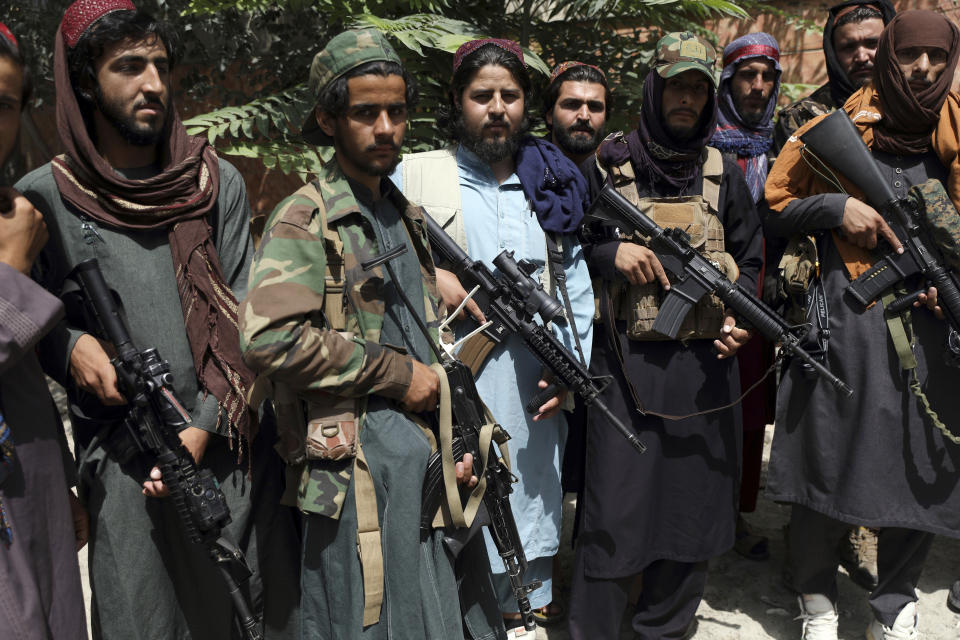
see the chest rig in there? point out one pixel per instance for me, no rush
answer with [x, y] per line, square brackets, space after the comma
[697, 215]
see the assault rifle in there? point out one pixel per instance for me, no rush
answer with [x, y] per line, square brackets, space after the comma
[509, 301]
[835, 141]
[693, 276]
[153, 419]
[468, 422]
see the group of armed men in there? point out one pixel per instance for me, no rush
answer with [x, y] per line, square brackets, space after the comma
[312, 387]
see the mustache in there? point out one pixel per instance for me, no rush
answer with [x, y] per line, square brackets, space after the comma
[679, 110]
[150, 104]
[862, 66]
[386, 143]
[582, 127]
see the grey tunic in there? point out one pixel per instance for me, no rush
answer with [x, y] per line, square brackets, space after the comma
[420, 589]
[148, 580]
[40, 593]
[872, 459]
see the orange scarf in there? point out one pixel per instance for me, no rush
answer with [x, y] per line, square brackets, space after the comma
[792, 178]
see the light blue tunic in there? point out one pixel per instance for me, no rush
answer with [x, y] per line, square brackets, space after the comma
[498, 217]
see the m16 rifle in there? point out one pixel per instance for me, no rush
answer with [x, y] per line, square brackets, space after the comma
[471, 431]
[693, 276]
[153, 419]
[835, 142]
[509, 300]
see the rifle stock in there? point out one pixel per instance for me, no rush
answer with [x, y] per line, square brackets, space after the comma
[694, 276]
[835, 141]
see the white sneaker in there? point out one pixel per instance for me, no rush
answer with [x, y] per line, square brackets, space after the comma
[819, 617]
[904, 627]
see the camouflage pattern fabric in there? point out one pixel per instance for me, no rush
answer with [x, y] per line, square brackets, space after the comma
[940, 219]
[794, 116]
[682, 51]
[284, 334]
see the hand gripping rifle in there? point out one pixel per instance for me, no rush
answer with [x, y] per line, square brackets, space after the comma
[835, 141]
[509, 301]
[154, 418]
[693, 276]
[470, 428]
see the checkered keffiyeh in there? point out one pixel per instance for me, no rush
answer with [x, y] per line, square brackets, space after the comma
[469, 47]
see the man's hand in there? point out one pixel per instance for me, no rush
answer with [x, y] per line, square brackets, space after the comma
[465, 472]
[640, 265]
[22, 231]
[551, 407]
[195, 440]
[863, 226]
[452, 294]
[81, 521]
[930, 299]
[91, 370]
[423, 391]
[732, 339]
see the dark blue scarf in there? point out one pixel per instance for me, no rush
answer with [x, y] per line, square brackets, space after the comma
[554, 185]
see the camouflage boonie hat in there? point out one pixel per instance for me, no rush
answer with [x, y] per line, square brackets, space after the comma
[344, 52]
[681, 51]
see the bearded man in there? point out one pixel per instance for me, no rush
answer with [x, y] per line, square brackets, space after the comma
[42, 524]
[664, 514]
[575, 107]
[168, 222]
[498, 189]
[747, 97]
[850, 39]
[875, 458]
[340, 340]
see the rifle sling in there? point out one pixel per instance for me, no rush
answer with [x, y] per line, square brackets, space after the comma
[368, 539]
[461, 515]
[901, 334]
[555, 264]
[617, 347]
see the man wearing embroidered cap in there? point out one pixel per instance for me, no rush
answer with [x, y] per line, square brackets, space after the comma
[42, 524]
[168, 222]
[338, 344]
[886, 457]
[497, 188]
[575, 108]
[666, 513]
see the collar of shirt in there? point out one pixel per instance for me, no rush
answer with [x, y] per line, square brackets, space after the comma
[476, 171]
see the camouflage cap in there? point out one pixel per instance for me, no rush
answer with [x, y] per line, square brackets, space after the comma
[682, 51]
[344, 52]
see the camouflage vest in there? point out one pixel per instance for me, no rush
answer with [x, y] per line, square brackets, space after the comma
[638, 305]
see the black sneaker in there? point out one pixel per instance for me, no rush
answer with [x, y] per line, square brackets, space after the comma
[953, 598]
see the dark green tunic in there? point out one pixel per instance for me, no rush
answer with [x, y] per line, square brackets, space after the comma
[148, 581]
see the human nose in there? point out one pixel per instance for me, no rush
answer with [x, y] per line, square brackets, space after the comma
[383, 125]
[583, 113]
[152, 83]
[862, 54]
[922, 64]
[496, 104]
[757, 83]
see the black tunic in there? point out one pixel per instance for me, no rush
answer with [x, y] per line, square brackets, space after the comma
[872, 459]
[678, 501]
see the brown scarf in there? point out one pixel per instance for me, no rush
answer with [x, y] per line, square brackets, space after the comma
[908, 118]
[178, 198]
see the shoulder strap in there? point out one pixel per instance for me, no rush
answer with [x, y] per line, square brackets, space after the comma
[555, 265]
[369, 546]
[712, 177]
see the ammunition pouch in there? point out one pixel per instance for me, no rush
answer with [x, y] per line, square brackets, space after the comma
[638, 305]
[799, 267]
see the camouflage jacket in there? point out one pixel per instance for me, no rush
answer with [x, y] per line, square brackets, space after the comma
[794, 116]
[284, 334]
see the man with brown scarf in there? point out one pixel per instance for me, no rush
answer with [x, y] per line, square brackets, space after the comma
[168, 222]
[874, 458]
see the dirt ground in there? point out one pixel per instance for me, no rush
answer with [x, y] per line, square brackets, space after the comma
[745, 599]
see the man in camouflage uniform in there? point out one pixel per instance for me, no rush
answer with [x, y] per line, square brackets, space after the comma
[849, 44]
[339, 340]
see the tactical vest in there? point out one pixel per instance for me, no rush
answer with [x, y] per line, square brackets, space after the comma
[698, 215]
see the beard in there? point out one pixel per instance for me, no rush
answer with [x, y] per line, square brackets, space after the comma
[577, 145]
[750, 116]
[136, 133]
[490, 151]
[348, 150]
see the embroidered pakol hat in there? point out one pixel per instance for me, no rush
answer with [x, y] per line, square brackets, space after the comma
[82, 15]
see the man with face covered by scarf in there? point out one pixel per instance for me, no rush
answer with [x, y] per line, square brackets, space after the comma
[666, 513]
[875, 458]
[168, 223]
[849, 45]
